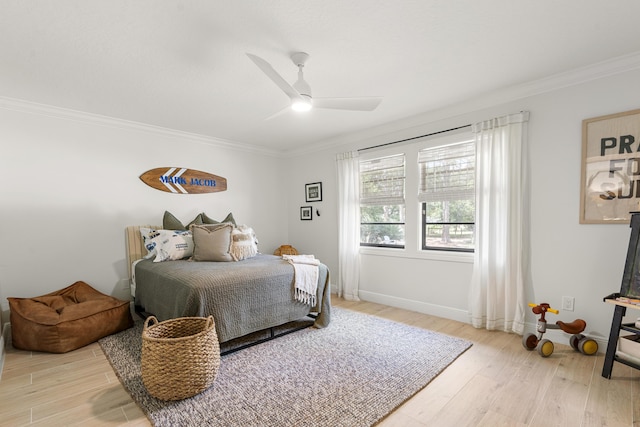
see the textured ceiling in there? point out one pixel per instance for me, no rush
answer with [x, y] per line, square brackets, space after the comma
[182, 64]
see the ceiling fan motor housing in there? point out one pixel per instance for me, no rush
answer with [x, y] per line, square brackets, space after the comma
[299, 58]
[301, 85]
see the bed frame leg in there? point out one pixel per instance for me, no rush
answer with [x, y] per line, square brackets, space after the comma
[272, 335]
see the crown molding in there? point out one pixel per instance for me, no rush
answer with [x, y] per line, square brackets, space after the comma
[29, 107]
[599, 70]
[551, 83]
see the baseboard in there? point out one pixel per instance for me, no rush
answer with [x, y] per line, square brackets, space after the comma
[420, 307]
[555, 335]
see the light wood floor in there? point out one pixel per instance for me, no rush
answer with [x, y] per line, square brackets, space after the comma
[495, 383]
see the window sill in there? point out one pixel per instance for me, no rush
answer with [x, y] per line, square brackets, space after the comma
[445, 256]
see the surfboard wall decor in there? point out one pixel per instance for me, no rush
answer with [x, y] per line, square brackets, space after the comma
[183, 181]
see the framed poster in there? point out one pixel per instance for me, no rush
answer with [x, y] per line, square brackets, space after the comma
[306, 213]
[610, 179]
[313, 192]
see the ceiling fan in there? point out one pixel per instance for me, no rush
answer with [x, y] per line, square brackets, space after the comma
[300, 91]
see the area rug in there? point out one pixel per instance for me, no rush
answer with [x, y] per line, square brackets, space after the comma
[352, 373]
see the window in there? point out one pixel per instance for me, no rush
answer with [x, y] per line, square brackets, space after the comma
[382, 202]
[447, 194]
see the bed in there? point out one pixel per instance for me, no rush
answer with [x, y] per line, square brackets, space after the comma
[243, 296]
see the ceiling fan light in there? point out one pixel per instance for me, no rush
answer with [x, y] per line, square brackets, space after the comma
[301, 104]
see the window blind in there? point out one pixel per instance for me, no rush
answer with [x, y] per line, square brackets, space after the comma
[382, 181]
[447, 173]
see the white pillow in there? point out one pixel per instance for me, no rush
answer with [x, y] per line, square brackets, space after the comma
[167, 245]
[244, 243]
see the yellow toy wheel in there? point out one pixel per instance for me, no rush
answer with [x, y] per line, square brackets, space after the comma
[575, 340]
[545, 348]
[588, 346]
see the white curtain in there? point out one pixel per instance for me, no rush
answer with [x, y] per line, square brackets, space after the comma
[501, 259]
[348, 225]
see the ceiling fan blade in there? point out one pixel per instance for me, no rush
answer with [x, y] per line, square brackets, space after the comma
[274, 76]
[277, 114]
[354, 104]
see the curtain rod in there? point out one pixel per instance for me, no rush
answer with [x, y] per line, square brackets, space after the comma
[412, 138]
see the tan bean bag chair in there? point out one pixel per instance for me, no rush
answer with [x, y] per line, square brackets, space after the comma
[66, 319]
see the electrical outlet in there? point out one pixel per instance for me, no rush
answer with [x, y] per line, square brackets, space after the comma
[568, 303]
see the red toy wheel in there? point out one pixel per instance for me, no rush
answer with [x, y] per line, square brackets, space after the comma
[529, 341]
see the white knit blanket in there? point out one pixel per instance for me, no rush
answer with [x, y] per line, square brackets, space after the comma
[305, 280]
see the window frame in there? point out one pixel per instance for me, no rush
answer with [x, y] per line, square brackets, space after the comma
[403, 205]
[413, 229]
[423, 204]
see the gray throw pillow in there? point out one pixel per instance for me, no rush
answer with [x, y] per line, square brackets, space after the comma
[212, 242]
[170, 222]
[206, 220]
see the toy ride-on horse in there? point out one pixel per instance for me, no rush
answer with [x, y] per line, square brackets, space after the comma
[578, 342]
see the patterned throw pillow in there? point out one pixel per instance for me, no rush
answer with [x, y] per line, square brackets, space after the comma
[244, 243]
[167, 245]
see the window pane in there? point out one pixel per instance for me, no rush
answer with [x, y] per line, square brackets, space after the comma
[382, 234]
[451, 211]
[386, 213]
[455, 236]
[382, 225]
[382, 181]
[447, 173]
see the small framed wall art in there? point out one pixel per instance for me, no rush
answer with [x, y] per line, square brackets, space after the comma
[306, 213]
[610, 168]
[313, 192]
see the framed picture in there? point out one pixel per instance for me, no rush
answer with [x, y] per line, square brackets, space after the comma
[610, 179]
[313, 192]
[306, 213]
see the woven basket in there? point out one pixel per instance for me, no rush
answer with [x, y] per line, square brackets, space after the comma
[180, 357]
[286, 250]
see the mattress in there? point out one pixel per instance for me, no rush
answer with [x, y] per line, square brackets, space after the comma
[243, 296]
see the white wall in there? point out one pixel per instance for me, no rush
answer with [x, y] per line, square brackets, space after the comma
[320, 235]
[568, 259]
[71, 186]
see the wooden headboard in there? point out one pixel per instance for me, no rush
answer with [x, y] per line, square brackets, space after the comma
[135, 245]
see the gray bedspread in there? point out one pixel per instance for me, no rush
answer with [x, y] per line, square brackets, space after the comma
[243, 297]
